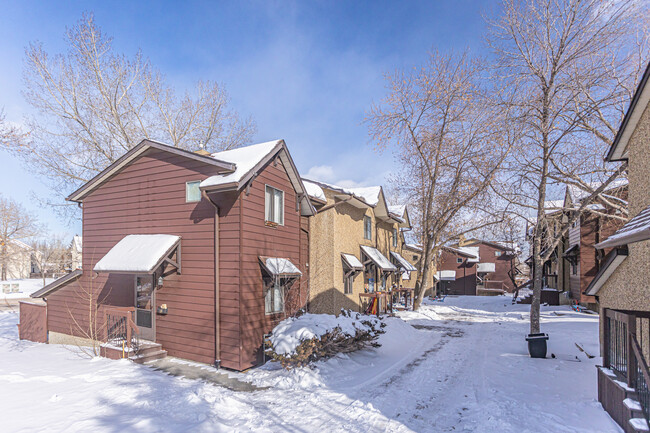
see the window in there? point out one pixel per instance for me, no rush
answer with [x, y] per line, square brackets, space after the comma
[415, 258]
[574, 267]
[459, 260]
[395, 238]
[497, 253]
[367, 228]
[274, 298]
[192, 191]
[274, 205]
[347, 283]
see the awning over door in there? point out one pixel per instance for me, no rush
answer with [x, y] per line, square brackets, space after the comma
[402, 262]
[279, 267]
[352, 262]
[378, 259]
[141, 254]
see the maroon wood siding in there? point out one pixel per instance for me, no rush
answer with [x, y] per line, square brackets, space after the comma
[257, 240]
[148, 197]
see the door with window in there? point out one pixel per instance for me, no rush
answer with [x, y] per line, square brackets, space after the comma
[144, 306]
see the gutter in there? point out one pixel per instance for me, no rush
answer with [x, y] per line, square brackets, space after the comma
[217, 309]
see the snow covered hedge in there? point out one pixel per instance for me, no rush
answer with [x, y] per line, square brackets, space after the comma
[298, 341]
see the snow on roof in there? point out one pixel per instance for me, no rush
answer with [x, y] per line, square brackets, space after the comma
[578, 193]
[635, 230]
[552, 206]
[403, 263]
[414, 247]
[352, 261]
[244, 158]
[397, 209]
[314, 190]
[77, 243]
[378, 258]
[369, 195]
[473, 251]
[279, 266]
[137, 253]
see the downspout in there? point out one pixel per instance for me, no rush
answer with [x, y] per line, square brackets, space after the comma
[217, 310]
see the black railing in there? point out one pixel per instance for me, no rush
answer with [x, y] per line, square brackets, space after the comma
[121, 331]
[642, 378]
[617, 348]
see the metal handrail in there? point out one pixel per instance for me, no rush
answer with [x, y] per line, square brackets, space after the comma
[642, 379]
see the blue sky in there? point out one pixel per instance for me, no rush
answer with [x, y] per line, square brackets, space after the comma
[305, 71]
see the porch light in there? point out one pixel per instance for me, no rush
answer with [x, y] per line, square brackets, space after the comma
[160, 281]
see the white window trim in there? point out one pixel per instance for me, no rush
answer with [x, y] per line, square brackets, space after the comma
[459, 260]
[270, 289]
[186, 185]
[265, 204]
[367, 237]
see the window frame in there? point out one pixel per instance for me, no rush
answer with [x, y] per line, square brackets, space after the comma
[367, 228]
[395, 238]
[266, 205]
[187, 184]
[348, 283]
[459, 260]
[270, 289]
[498, 253]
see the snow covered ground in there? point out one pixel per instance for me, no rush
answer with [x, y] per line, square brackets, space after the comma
[21, 289]
[466, 369]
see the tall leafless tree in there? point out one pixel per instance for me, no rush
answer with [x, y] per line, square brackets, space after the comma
[93, 104]
[574, 64]
[50, 255]
[449, 143]
[17, 225]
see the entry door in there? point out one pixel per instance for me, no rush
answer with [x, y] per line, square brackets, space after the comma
[144, 306]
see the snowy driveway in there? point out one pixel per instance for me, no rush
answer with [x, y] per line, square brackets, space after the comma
[465, 368]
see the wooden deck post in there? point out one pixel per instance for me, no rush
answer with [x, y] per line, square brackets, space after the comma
[631, 365]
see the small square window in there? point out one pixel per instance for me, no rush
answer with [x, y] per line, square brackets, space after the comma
[274, 204]
[192, 191]
[497, 253]
[459, 260]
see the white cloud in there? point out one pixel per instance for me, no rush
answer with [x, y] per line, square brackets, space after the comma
[323, 173]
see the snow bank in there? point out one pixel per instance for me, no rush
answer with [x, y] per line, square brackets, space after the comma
[289, 333]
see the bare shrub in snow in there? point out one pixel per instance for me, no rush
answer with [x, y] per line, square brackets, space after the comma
[299, 341]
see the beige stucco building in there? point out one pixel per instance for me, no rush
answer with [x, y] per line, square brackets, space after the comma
[356, 246]
[622, 284]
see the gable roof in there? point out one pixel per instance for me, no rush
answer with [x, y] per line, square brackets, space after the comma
[640, 100]
[248, 162]
[134, 153]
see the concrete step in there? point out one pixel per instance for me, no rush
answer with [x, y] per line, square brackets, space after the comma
[149, 356]
[639, 425]
[633, 407]
[148, 347]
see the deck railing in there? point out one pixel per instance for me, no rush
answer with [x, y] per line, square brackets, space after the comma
[121, 330]
[641, 377]
[617, 342]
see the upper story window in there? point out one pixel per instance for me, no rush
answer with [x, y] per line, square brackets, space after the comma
[192, 191]
[497, 253]
[367, 228]
[459, 260]
[395, 238]
[274, 205]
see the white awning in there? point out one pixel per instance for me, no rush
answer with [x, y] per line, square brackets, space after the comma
[279, 267]
[612, 261]
[352, 262]
[378, 259]
[445, 276]
[402, 262]
[485, 267]
[140, 254]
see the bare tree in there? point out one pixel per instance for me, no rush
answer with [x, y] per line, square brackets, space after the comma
[50, 255]
[16, 226]
[449, 144]
[574, 64]
[8, 133]
[94, 104]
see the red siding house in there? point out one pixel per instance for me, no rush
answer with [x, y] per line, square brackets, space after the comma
[201, 254]
[476, 267]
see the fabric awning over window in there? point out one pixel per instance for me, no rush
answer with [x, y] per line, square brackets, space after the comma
[402, 262]
[635, 230]
[352, 262]
[279, 267]
[378, 259]
[140, 254]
